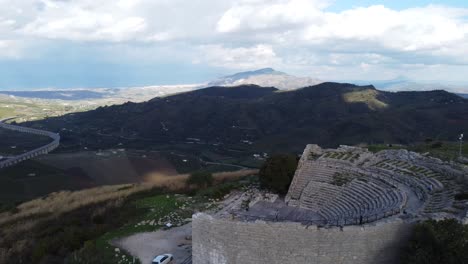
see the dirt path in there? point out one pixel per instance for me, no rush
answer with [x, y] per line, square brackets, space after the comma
[146, 246]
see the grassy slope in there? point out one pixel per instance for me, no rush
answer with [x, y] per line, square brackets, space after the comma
[81, 225]
[39, 177]
[17, 184]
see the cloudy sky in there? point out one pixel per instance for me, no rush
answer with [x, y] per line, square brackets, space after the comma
[114, 43]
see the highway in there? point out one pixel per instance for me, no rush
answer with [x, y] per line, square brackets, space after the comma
[10, 161]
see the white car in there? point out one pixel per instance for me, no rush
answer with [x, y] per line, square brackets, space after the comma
[163, 259]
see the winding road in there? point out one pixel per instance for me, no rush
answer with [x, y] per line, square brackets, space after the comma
[12, 160]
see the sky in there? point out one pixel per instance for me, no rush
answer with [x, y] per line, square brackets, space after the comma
[120, 43]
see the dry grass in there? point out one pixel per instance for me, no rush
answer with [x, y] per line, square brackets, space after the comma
[58, 203]
[177, 182]
[65, 201]
[232, 175]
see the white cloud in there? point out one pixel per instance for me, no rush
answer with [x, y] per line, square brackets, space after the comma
[257, 15]
[301, 35]
[10, 49]
[88, 27]
[84, 21]
[415, 29]
[257, 56]
[120, 20]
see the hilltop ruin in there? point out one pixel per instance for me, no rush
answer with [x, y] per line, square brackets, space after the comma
[345, 205]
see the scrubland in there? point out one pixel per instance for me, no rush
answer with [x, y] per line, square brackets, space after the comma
[55, 227]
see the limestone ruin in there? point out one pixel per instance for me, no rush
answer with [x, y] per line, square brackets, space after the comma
[345, 205]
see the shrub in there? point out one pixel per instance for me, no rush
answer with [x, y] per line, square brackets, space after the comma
[277, 172]
[428, 140]
[87, 255]
[461, 196]
[219, 191]
[200, 179]
[435, 242]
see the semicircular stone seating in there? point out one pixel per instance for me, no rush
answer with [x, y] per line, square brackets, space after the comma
[351, 185]
[360, 197]
[428, 184]
[302, 178]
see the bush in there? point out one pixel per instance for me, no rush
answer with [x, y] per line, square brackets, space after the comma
[277, 172]
[200, 179]
[461, 196]
[428, 140]
[435, 242]
[53, 240]
[87, 255]
[11, 207]
[219, 191]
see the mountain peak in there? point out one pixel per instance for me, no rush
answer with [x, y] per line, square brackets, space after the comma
[247, 74]
[266, 71]
[267, 77]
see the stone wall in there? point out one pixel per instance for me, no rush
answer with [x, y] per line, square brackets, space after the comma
[224, 241]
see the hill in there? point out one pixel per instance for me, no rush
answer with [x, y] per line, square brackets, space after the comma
[266, 119]
[265, 77]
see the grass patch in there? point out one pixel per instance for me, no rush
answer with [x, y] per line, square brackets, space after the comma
[368, 97]
[379, 147]
[153, 213]
[446, 150]
[340, 179]
[220, 191]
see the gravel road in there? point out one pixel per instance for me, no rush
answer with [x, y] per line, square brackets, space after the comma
[176, 241]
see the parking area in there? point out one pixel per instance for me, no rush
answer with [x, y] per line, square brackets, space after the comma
[145, 246]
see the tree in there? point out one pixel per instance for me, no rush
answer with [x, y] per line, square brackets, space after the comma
[200, 179]
[438, 242]
[277, 172]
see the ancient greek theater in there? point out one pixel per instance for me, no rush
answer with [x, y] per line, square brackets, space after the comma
[12, 160]
[345, 205]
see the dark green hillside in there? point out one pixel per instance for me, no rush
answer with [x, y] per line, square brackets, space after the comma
[328, 114]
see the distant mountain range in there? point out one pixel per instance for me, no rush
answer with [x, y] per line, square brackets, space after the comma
[104, 96]
[405, 84]
[271, 120]
[267, 77]
[264, 77]
[67, 95]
